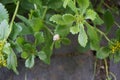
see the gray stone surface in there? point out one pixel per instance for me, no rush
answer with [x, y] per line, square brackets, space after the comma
[115, 68]
[79, 67]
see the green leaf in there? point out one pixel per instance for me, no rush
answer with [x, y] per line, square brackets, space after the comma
[28, 48]
[75, 29]
[57, 44]
[24, 55]
[66, 41]
[62, 20]
[94, 38]
[15, 31]
[37, 24]
[90, 14]
[16, 46]
[116, 57]
[108, 19]
[11, 60]
[98, 20]
[118, 34]
[25, 29]
[25, 20]
[83, 49]
[103, 52]
[54, 4]
[68, 18]
[48, 51]
[37, 2]
[20, 41]
[26, 5]
[4, 30]
[57, 19]
[3, 13]
[62, 30]
[72, 6]
[82, 37]
[83, 5]
[6, 48]
[39, 38]
[6, 1]
[48, 47]
[65, 3]
[29, 63]
[42, 55]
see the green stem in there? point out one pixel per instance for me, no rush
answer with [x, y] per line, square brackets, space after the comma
[113, 75]
[117, 24]
[47, 22]
[14, 15]
[75, 2]
[44, 13]
[107, 5]
[103, 35]
[106, 68]
[13, 18]
[100, 32]
[49, 30]
[95, 64]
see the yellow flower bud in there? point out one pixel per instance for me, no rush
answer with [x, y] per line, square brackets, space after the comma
[115, 47]
[4, 63]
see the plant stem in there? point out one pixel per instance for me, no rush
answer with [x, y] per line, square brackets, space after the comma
[44, 13]
[113, 75]
[95, 64]
[103, 35]
[106, 68]
[100, 32]
[49, 30]
[75, 2]
[107, 5]
[47, 22]
[13, 18]
[117, 24]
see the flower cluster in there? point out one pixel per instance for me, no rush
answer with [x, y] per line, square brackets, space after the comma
[115, 47]
[3, 62]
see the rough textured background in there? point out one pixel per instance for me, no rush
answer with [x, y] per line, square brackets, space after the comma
[77, 67]
[115, 69]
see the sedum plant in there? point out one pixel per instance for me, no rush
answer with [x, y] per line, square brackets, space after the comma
[48, 23]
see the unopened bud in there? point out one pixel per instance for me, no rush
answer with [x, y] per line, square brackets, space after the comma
[56, 37]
